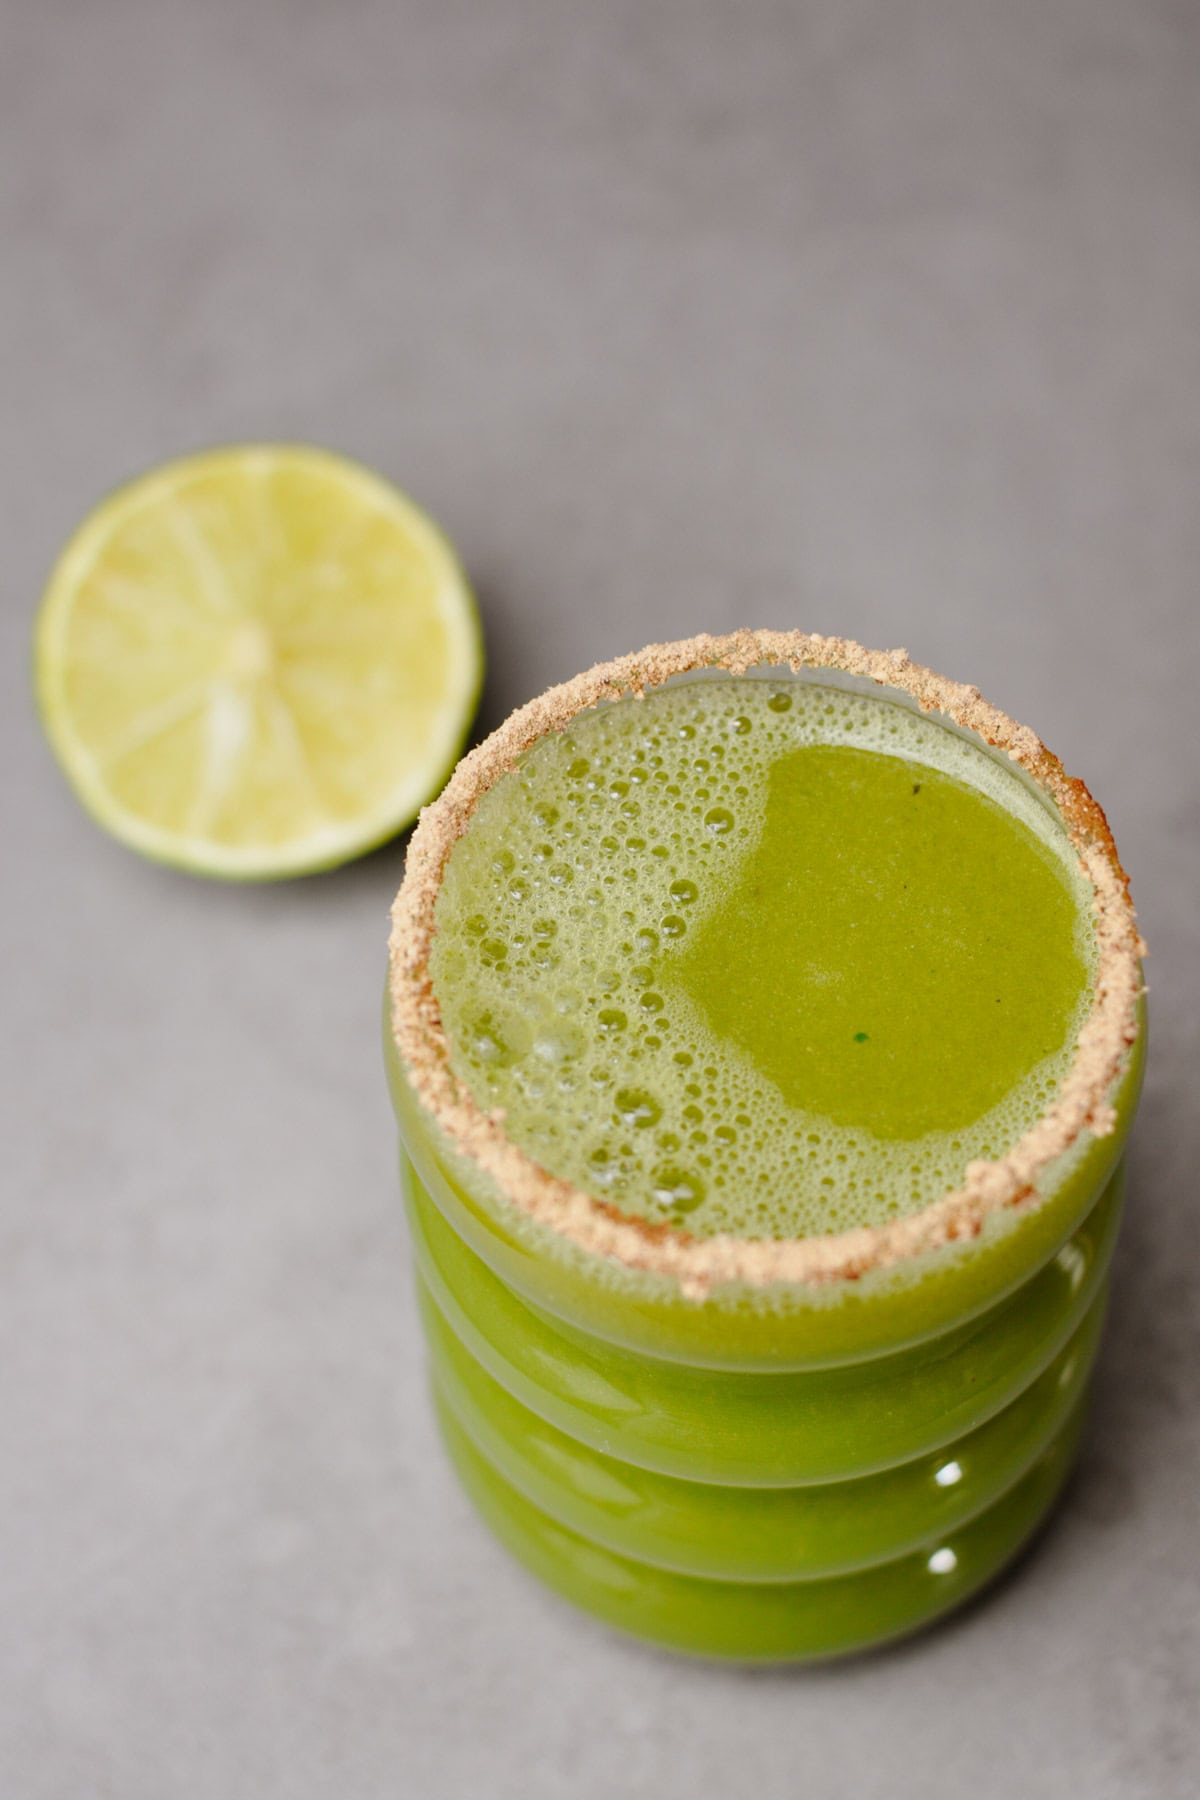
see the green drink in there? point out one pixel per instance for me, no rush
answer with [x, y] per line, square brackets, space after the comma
[763, 1049]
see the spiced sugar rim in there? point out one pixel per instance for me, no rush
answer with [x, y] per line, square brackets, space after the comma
[699, 1264]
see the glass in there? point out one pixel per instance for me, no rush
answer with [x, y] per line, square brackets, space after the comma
[777, 1469]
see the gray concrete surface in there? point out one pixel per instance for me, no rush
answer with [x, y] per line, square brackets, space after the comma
[877, 318]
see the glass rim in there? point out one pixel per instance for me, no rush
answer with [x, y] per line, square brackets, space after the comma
[695, 1263]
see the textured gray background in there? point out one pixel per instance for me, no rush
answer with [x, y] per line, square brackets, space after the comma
[875, 317]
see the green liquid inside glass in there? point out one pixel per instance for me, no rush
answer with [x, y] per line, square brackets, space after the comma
[777, 958]
[771, 962]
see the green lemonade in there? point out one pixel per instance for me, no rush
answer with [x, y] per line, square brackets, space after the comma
[755, 959]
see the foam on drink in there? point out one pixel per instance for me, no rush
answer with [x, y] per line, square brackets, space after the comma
[649, 963]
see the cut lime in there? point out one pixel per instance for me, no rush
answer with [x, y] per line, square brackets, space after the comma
[257, 662]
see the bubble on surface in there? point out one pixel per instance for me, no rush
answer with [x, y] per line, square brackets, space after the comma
[598, 860]
[494, 1042]
[676, 1190]
[634, 1106]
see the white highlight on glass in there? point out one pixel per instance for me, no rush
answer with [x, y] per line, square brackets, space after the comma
[943, 1561]
[1073, 1264]
[949, 1474]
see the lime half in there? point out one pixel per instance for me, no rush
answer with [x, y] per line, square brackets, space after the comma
[257, 662]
